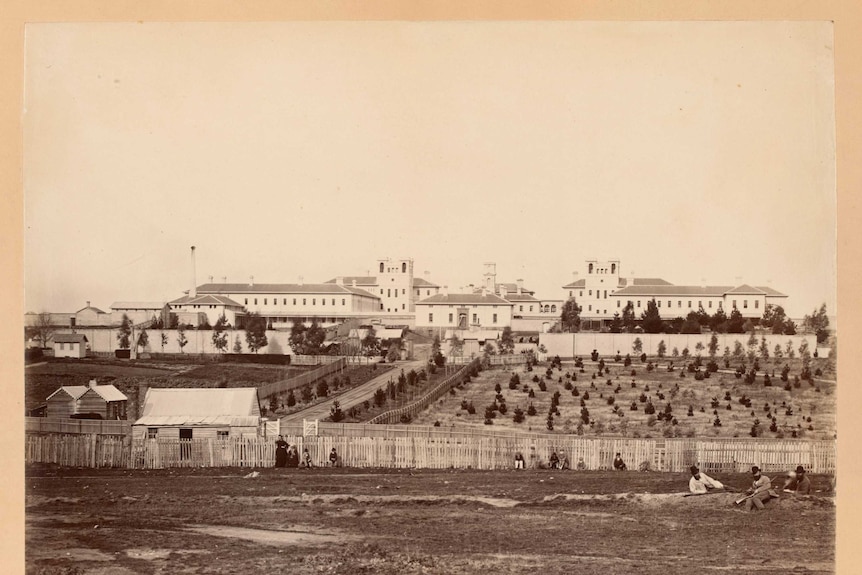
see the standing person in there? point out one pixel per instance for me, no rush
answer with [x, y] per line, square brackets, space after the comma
[619, 464]
[701, 483]
[798, 482]
[306, 458]
[760, 492]
[333, 457]
[280, 452]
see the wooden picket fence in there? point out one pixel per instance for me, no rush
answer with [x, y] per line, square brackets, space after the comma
[413, 409]
[673, 455]
[77, 426]
[337, 365]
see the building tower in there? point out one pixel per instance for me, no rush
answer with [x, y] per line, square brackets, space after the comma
[395, 283]
[490, 277]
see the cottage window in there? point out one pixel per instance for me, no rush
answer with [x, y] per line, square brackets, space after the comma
[222, 434]
[756, 304]
[343, 301]
[246, 301]
[255, 301]
[639, 303]
[689, 304]
[658, 303]
[618, 303]
[745, 303]
[710, 304]
[475, 318]
[152, 433]
[450, 318]
[495, 318]
[734, 304]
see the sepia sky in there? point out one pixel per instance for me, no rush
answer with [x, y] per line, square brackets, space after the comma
[690, 151]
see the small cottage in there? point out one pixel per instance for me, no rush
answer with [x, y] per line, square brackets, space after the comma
[198, 413]
[70, 345]
[94, 401]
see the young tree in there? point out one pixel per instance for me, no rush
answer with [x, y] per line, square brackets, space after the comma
[371, 343]
[507, 342]
[255, 332]
[143, 340]
[691, 323]
[736, 322]
[456, 345]
[718, 322]
[296, 341]
[394, 351]
[662, 349]
[698, 349]
[702, 317]
[335, 413]
[164, 339]
[181, 337]
[124, 332]
[764, 348]
[616, 323]
[738, 350]
[314, 338]
[637, 345]
[818, 323]
[237, 345]
[713, 346]
[42, 330]
[570, 318]
[219, 337]
[629, 317]
[651, 318]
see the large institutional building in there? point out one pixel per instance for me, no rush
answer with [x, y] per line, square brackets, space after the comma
[604, 290]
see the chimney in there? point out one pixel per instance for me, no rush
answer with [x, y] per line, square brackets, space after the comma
[445, 290]
[484, 291]
[250, 281]
[88, 303]
[504, 291]
[224, 279]
[520, 286]
[339, 280]
[93, 383]
[194, 291]
[301, 280]
[353, 282]
[209, 279]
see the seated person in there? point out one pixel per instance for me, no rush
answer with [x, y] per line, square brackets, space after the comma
[519, 461]
[619, 464]
[701, 482]
[554, 461]
[798, 482]
[564, 461]
[581, 465]
[761, 490]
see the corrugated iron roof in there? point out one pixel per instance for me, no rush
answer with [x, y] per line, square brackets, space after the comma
[324, 288]
[202, 420]
[108, 392]
[671, 290]
[118, 305]
[206, 299]
[199, 406]
[360, 280]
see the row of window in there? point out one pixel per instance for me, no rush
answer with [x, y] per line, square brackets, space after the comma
[153, 433]
[284, 301]
[390, 270]
[699, 304]
[390, 290]
[603, 270]
[452, 318]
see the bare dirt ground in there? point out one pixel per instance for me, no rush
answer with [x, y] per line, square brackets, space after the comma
[214, 521]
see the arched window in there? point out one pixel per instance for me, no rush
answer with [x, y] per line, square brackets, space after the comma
[591, 268]
[547, 308]
[553, 308]
[404, 267]
[381, 267]
[613, 268]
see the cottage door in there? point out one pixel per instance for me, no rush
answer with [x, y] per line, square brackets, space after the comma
[185, 444]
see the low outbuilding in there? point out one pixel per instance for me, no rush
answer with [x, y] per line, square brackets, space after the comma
[70, 345]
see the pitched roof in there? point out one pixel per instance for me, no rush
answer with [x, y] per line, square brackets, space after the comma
[206, 299]
[238, 406]
[74, 391]
[576, 284]
[154, 305]
[522, 297]
[746, 289]
[771, 292]
[645, 282]
[324, 288]
[464, 298]
[360, 280]
[422, 282]
[671, 290]
[89, 307]
[108, 392]
[69, 338]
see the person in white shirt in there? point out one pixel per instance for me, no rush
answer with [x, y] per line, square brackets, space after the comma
[701, 482]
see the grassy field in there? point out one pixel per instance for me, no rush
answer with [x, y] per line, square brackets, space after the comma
[215, 521]
[808, 410]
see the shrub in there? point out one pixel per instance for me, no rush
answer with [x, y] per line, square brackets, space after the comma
[649, 409]
[531, 410]
[518, 415]
[470, 409]
[405, 418]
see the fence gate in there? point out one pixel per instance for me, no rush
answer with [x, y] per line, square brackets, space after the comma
[309, 428]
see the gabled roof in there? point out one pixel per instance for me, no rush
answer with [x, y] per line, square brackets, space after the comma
[153, 305]
[70, 338]
[238, 406]
[644, 282]
[464, 298]
[576, 284]
[89, 308]
[108, 392]
[746, 290]
[206, 299]
[771, 292]
[73, 391]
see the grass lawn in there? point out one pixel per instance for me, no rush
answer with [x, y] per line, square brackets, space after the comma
[215, 521]
[660, 387]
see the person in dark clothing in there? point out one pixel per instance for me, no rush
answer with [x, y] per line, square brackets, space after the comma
[280, 452]
[619, 464]
[292, 456]
[333, 458]
[554, 462]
